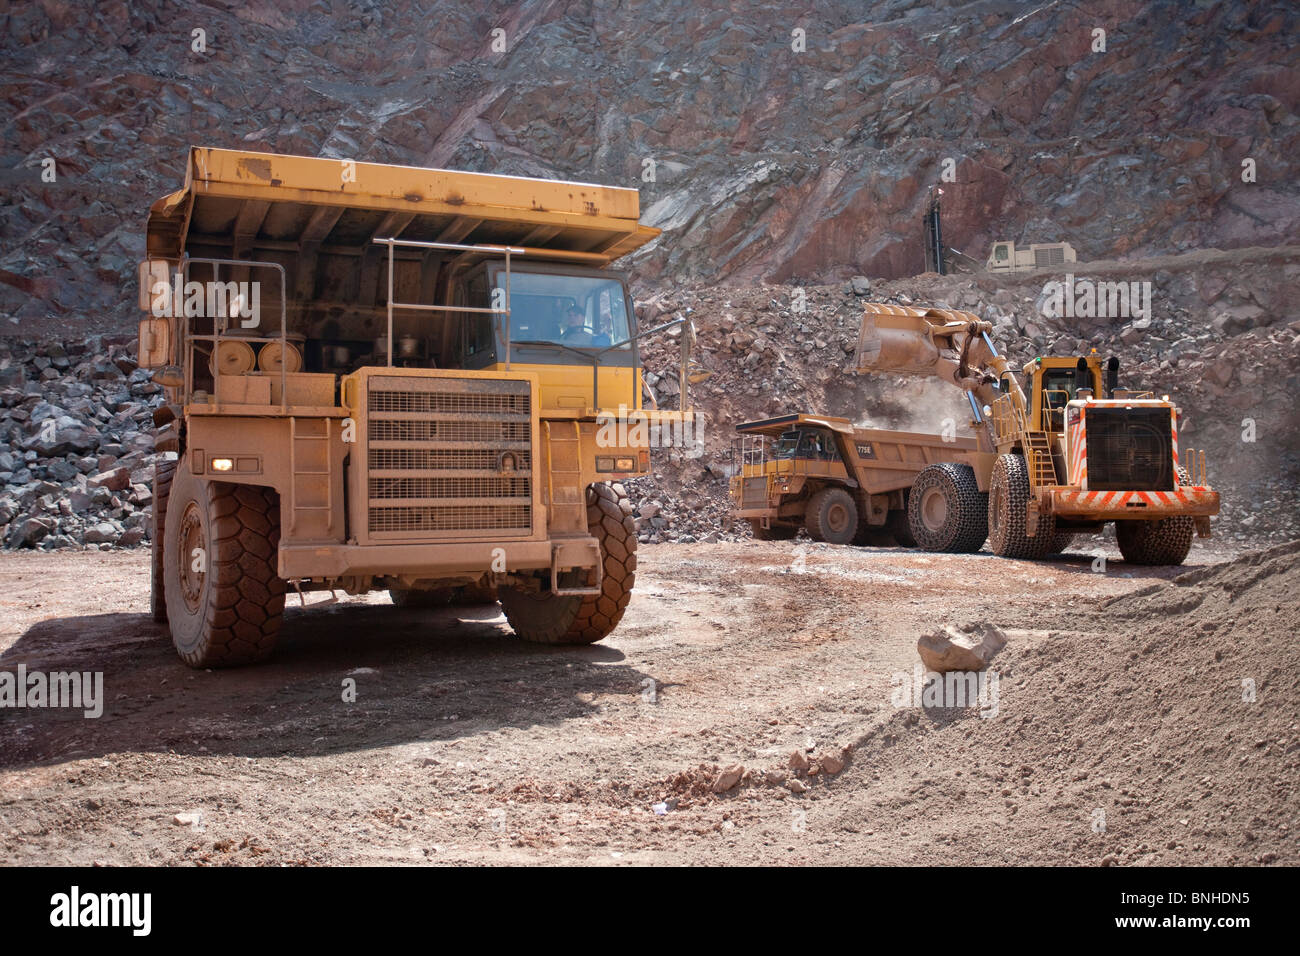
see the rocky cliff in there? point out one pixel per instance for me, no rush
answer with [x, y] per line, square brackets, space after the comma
[772, 142]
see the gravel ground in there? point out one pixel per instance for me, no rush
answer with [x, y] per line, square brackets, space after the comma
[1117, 735]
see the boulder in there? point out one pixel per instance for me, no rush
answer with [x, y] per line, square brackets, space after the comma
[961, 649]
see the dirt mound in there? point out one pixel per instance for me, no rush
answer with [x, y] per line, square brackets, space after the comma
[1156, 728]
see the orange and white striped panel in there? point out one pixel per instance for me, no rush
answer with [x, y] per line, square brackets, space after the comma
[1173, 435]
[1078, 471]
[1154, 501]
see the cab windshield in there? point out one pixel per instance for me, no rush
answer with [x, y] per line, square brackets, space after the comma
[582, 312]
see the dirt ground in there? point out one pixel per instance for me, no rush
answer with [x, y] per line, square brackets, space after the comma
[1118, 734]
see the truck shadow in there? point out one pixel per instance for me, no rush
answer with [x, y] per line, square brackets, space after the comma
[344, 678]
[1083, 561]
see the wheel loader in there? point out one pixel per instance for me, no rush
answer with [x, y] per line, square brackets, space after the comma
[1072, 454]
[390, 378]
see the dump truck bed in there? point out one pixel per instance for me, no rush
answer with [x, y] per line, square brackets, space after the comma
[285, 205]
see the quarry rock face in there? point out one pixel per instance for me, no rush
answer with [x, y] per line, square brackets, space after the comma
[776, 143]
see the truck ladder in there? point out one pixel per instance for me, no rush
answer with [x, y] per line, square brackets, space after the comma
[310, 487]
[567, 497]
[1038, 456]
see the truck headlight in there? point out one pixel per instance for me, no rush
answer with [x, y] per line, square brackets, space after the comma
[611, 464]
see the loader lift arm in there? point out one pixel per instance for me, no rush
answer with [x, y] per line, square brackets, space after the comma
[947, 344]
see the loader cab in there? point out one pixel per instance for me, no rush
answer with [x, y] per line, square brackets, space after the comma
[1055, 382]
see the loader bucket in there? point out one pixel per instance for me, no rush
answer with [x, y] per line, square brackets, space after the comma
[905, 340]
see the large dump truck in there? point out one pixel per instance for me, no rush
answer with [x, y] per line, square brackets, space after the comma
[841, 483]
[1068, 453]
[386, 377]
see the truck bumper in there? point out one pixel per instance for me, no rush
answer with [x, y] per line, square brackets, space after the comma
[435, 560]
[1189, 500]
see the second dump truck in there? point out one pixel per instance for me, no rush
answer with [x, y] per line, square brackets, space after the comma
[386, 377]
[841, 483]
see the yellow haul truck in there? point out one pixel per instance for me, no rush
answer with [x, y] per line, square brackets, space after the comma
[841, 483]
[386, 377]
[1067, 453]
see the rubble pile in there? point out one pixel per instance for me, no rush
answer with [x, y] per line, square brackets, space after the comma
[76, 445]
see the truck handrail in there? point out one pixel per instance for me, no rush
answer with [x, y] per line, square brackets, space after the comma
[392, 243]
[508, 251]
[215, 337]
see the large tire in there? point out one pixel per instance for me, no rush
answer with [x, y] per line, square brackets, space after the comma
[776, 532]
[1165, 541]
[163, 472]
[547, 618]
[832, 516]
[1060, 541]
[1008, 498]
[946, 511]
[230, 612]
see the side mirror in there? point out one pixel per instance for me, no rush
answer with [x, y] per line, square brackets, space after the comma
[155, 343]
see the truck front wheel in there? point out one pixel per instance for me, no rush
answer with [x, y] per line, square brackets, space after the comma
[1008, 513]
[224, 600]
[548, 618]
[162, 486]
[832, 516]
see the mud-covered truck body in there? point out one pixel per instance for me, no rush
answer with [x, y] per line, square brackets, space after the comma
[386, 377]
[841, 483]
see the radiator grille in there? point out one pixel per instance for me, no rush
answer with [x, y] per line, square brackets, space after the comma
[448, 457]
[1130, 449]
[753, 493]
[1054, 256]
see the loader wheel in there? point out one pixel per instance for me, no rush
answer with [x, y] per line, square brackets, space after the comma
[584, 619]
[946, 511]
[1008, 497]
[1060, 541]
[1165, 541]
[162, 486]
[832, 516]
[777, 532]
[224, 600]
[420, 597]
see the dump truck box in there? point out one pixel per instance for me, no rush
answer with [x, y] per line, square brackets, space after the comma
[876, 466]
